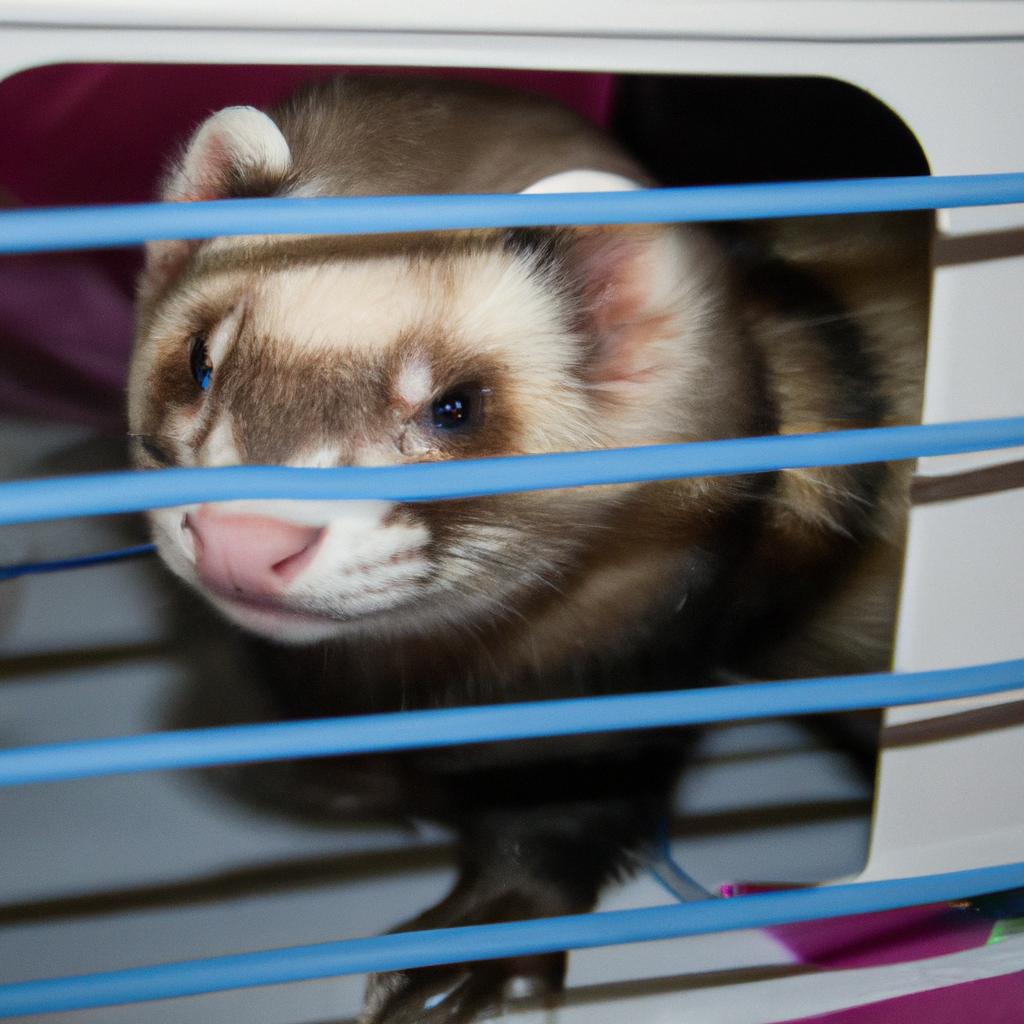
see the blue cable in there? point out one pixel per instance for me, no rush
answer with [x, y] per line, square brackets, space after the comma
[409, 730]
[489, 941]
[667, 872]
[99, 227]
[12, 572]
[106, 493]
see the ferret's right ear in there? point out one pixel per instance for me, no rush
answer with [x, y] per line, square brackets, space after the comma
[237, 152]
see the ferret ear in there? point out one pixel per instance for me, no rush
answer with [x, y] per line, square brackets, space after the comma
[237, 152]
[582, 179]
[629, 285]
[620, 281]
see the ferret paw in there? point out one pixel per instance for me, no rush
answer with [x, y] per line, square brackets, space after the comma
[459, 993]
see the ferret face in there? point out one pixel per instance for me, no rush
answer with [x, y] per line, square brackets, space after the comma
[362, 352]
[464, 350]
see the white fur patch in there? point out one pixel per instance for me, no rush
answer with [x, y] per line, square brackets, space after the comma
[415, 383]
[219, 343]
[240, 137]
[325, 457]
[219, 448]
[175, 544]
[360, 550]
[582, 180]
[338, 306]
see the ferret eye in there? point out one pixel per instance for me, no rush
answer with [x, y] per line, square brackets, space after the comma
[199, 360]
[455, 410]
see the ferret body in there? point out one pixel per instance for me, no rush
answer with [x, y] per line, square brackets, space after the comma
[398, 349]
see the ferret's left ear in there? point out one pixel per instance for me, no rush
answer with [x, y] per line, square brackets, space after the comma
[625, 283]
[634, 288]
[239, 151]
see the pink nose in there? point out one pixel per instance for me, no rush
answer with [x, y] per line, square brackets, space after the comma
[251, 556]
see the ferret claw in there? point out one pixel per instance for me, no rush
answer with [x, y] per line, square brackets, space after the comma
[459, 993]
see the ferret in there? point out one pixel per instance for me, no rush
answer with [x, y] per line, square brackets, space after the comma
[408, 348]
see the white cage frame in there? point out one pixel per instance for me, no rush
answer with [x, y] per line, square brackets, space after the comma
[954, 73]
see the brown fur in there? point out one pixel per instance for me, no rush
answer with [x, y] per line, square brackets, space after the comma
[573, 339]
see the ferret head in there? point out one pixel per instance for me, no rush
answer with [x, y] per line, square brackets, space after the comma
[327, 352]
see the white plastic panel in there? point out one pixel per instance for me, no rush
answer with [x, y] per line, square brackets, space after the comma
[741, 19]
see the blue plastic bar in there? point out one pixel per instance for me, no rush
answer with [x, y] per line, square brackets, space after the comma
[486, 942]
[408, 730]
[105, 493]
[12, 572]
[97, 227]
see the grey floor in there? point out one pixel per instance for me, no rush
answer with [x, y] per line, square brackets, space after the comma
[109, 873]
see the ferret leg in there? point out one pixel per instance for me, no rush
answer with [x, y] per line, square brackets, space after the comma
[545, 859]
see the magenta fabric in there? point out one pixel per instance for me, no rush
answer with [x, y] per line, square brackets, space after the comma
[894, 936]
[102, 133]
[65, 336]
[868, 940]
[901, 936]
[989, 1001]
